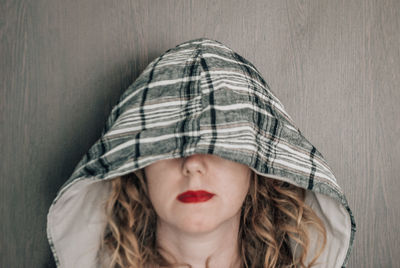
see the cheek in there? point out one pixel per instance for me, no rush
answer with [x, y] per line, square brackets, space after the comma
[242, 190]
[236, 190]
[160, 191]
[154, 187]
[156, 198]
[155, 190]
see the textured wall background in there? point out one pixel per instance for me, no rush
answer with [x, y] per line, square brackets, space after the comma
[335, 66]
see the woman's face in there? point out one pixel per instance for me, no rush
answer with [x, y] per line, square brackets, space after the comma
[228, 181]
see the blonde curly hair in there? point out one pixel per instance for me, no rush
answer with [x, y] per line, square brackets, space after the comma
[272, 211]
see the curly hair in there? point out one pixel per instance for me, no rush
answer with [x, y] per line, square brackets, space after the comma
[272, 211]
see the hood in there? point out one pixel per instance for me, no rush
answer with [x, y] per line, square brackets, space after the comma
[193, 99]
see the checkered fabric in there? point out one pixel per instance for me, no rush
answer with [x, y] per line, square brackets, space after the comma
[201, 97]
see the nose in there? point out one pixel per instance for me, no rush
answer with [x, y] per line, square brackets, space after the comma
[194, 165]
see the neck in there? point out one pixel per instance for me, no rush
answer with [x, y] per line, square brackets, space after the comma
[220, 245]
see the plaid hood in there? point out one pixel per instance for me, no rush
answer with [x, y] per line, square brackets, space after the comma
[199, 97]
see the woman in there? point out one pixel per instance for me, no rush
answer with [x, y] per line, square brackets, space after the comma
[199, 165]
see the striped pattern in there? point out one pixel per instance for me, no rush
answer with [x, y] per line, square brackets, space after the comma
[202, 97]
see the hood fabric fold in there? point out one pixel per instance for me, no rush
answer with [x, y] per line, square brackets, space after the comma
[199, 97]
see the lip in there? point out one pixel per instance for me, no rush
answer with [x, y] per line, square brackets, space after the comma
[194, 196]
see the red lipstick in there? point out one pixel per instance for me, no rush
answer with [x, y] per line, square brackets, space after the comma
[194, 196]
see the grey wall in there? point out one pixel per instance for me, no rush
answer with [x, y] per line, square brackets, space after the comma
[335, 65]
